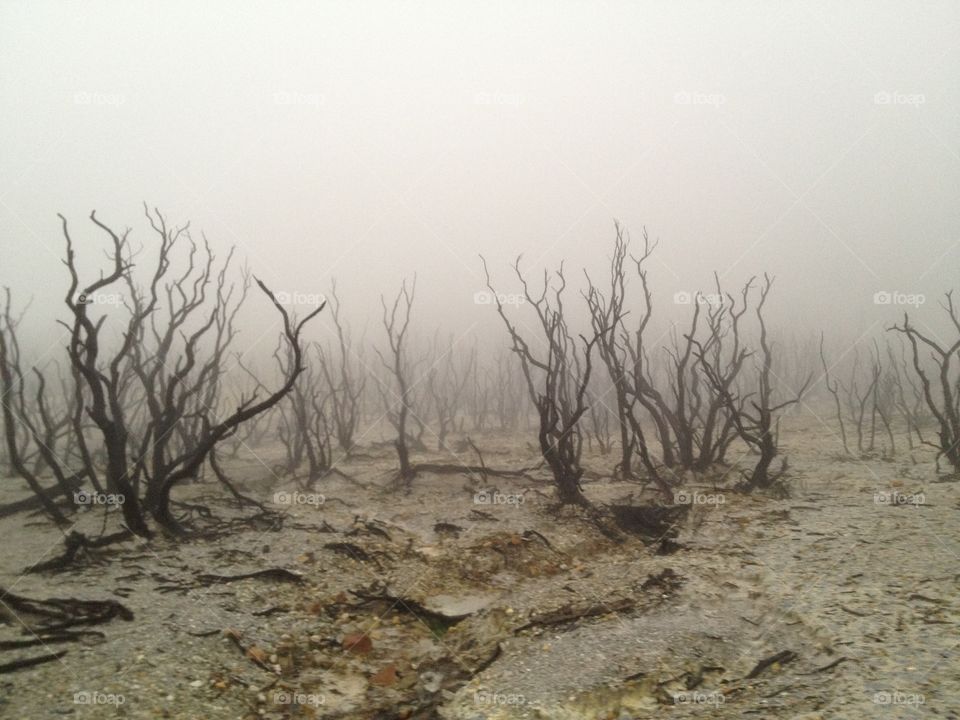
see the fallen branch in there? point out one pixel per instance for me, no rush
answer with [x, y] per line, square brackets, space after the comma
[278, 574]
[494, 656]
[529, 535]
[568, 614]
[59, 614]
[254, 657]
[225, 481]
[75, 542]
[831, 666]
[407, 605]
[781, 658]
[482, 470]
[50, 639]
[30, 662]
[852, 612]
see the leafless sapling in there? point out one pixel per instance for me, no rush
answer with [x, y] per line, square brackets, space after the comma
[556, 377]
[757, 427]
[396, 322]
[345, 381]
[942, 391]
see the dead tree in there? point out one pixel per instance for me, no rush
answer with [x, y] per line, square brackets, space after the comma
[689, 417]
[884, 398]
[623, 354]
[164, 355]
[798, 360]
[507, 385]
[942, 393]
[834, 390]
[251, 433]
[759, 427]
[345, 383]
[54, 420]
[599, 431]
[16, 414]
[606, 314]
[21, 434]
[864, 402]
[713, 427]
[304, 427]
[446, 383]
[907, 394]
[479, 397]
[556, 378]
[396, 321]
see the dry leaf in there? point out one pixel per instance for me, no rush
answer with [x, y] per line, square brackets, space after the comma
[386, 677]
[359, 643]
[257, 654]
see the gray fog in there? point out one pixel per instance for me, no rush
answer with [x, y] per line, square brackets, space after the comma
[370, 141]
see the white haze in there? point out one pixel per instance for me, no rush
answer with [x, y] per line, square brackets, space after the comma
[369, 141]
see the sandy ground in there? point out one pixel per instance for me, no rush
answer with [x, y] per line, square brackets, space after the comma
[858, 593]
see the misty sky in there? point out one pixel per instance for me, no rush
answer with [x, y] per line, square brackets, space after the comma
[366, 141]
